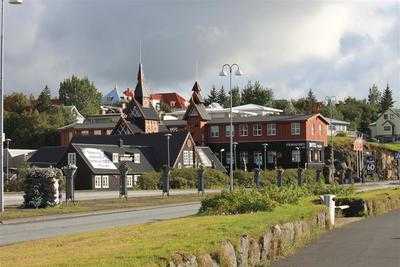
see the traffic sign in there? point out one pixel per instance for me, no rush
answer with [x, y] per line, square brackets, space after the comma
[397, 155]
[358, 144]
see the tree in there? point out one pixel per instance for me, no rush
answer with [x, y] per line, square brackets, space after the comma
[222, 97]
[386, 100]
[81, 93]
[212, 96]
[255, 93]
[374, 95]
[290, 109]
[236, 97]
[16, 102]
[44, 100]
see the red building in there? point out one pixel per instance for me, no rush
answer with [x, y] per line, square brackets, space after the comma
[173, 100]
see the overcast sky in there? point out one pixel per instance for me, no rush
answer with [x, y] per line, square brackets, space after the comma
[337, 48]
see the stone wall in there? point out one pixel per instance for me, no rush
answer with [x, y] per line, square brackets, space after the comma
[277, 241]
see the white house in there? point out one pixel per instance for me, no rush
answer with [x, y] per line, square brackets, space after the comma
[337, 126]
[387, 126]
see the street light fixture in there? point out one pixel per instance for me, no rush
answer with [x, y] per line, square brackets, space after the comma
[15, 2]
[220, 153]
[265, 145]
[224, 72]
[235, 144]
[298, 157]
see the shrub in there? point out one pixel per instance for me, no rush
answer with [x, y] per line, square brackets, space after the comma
[39, 187]
[149, 181]
[341, 134]
[15, 183]
[183, 178]
[215, 179]
[243, 179]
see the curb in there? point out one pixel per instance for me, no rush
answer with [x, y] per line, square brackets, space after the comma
[88, 214]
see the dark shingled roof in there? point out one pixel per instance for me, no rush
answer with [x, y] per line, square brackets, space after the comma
[48, 155]
[157, 141]
[150, 113]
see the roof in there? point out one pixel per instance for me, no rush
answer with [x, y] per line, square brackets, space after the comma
[150, 113]
[51, 155]
[167, 98]
[19, 152]
[208, 158]
[335, 121]
[267, 118]
[156, 141]
[114, 96]
[251, 107]
[171, 123]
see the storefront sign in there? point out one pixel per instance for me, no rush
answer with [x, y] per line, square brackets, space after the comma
[314, 145]
[98, 159]
[126, 157]
[295, 144]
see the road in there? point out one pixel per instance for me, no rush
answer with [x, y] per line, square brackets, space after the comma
[12, 233]
[371, 242]
[13, 199]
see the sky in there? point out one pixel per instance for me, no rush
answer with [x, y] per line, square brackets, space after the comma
[334, 47]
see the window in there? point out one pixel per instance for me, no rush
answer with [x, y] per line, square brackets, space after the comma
[129, 181]
[97, 181]
[187, 157]
[320, 129]
[97, 132]
[243, 129]
[136, 179]
[387, 128]
[108, 132]
[71, 158]
[312, 129]
[391, 116]
[296, 155]
[386, 116]
[257, 129]
[244, 157]
[271, 129]
[214, 131]
[115, 157]
[85, 132]
[158, 106]
[104, 181]
[271, 155]
[228, 157]
[295, 128]
[227, 130]
[136, 158]
[258, 158]
[172, 103]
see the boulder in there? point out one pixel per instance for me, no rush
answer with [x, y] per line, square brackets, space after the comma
[254, 253]
[226, 255]
[243, 252]
[287, 233]
[266, 246]
[182, 260]
[205, 260]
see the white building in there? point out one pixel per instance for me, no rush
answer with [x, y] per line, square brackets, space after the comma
[337, 126]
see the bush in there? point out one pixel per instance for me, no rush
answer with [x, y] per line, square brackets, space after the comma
[183, 178]
[215, 179]
[39, 187]
[341, 134]
[149, 181]
[243, 179]
[15, 183]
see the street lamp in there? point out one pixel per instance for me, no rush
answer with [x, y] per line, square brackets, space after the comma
[2, 101]
[265, 145]
[7, 149]
[220, 153]
[298, 157]
[224, 72]
[330, 100]
[168, 135]
[235, 144]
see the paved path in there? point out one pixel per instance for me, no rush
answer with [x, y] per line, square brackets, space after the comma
[12, 233]
[12, 199]
[368, 243]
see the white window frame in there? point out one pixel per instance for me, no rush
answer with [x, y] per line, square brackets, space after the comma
[228, 157]
[295, 128]
[271, 155]
[387, 128]
[129, 181]
[97, 132]
[271, 129]
[227, 132]
[136, 158]
[296, 156]
[258, 155]
[85, 132]
[214, 131]
[257, 129]
[97, 181]
[105, 181]
[135, 179]
[243, 129]
[244, 157]
[187, 157]
[72, 158]
[115, 157]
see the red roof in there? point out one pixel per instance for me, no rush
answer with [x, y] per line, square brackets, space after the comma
[167, 98]
[129, 93]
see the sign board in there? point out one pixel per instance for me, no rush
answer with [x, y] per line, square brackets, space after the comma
[397, 155]
[98, 159]
[126, 157]
[358, 144]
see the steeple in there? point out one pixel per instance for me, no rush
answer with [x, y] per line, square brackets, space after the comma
[196, 95]
[141, 95]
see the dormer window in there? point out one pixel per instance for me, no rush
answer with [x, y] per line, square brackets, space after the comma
[115, 157]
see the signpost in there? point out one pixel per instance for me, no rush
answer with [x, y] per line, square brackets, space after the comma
[358, 146]
[397, 156]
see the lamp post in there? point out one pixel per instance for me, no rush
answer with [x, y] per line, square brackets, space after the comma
[298, 158]
[8, 148]
[235, 144]
[168, 135]
[265, 145]
[167, 171]
[220, 153]
[230, 68]
[330, 100]
[2, 101]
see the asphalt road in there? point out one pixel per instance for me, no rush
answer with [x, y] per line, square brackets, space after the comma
[12, 233]
[368, 243]
[13, 199]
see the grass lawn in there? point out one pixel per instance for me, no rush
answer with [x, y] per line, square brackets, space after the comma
[379, 194]
[149, 244]
[348, 142]
[98, 205]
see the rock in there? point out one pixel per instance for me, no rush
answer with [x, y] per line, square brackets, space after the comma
[254, 253]
[243, 252]
[276, 242]
[287, 233]
[265, 246]
[205, 260]
[182, 260]
[298, 231]
[226, 255]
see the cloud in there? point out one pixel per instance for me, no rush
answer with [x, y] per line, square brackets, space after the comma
[340, 47]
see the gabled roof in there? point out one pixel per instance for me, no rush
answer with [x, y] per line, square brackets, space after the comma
[335, 121]
[180, 102]
[196, 103]
[132, 128]
[208, 158]
[50, 155]
[156, 141]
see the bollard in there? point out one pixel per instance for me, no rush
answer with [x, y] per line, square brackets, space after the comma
[279, 178]
[300, 176]
[123, 187]
[257, 179]
[318, 175]
[69, 172]
[200, 179]
[330, 203]
[166, 177]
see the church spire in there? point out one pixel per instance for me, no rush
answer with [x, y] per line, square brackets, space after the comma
[140, 92]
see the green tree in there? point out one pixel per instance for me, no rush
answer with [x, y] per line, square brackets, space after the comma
[43, 102]
[16, 102]
[212, 96]
[374, 95]
[81, 93]
[386, 100]
[290, 109]
[255, 93]
[222, 97]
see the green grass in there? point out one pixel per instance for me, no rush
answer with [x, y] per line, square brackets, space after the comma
[98, 205]
[149, 244]
[379, 194]
[341, 141]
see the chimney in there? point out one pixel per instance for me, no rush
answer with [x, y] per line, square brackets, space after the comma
[121, 142]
